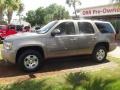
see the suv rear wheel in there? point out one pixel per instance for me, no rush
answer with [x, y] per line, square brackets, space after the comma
[99, 54]
[30, 60]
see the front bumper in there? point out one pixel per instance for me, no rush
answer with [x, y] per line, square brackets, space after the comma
[8, 55]
[112, 46]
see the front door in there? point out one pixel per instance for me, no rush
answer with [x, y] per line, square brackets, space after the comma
[65, 43]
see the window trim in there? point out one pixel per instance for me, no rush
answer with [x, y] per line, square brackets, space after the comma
[104, 23]
[67, 34]
[86, 22]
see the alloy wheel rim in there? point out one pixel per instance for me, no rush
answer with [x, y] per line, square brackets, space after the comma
[100, 54]
[31, 61]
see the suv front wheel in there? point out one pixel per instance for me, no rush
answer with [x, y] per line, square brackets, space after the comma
[99, 54]
[30, 60]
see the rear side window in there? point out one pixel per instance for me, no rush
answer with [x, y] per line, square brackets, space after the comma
[104, 27]
[85, 27]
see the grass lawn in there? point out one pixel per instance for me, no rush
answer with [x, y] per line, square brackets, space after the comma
[107, 79]
[101, 80]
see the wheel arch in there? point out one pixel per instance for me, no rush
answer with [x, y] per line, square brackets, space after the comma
[22, 49]
[105, 44]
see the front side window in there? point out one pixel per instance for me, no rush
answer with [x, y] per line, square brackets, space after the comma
[11, 27]
[104, 27]
[85, 27]
[66, 28]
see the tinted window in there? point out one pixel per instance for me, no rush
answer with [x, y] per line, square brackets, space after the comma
[12, 27]
[66, 28]
[85, 27]
[104, 27]
[19, 27]
[0, 27]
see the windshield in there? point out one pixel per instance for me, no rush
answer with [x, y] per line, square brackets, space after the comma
[47, 27]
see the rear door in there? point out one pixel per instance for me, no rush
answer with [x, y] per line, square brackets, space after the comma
[87, 37]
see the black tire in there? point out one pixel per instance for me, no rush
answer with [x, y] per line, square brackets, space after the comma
[95, 54]
[21, 60]
[0, 40]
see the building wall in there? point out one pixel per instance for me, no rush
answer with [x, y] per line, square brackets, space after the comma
[109, 12]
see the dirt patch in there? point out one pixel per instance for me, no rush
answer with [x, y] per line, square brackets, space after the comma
[10, 73]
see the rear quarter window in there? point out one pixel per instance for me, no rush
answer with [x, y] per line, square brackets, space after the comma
[104, 27]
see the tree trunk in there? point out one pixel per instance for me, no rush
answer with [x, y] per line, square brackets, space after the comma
[20, 18]
[1, 14]
[9, 15]
[74, 9]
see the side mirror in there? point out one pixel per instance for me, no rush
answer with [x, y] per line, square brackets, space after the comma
[54, 32]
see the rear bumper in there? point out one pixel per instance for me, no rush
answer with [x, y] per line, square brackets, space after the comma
[8, 56]
[112, 46]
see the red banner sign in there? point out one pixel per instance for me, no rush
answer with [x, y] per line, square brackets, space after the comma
[99, 11]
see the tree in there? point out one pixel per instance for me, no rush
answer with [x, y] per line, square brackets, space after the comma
[73, 3]
[42, 15]
[3, 22]
[2, 8]
[20, 10]
[30, 17]
[58, 12]
[11, 6]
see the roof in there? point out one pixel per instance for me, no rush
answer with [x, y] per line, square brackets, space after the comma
[84, 20]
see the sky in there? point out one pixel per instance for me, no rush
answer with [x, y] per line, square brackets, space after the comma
[34, 4]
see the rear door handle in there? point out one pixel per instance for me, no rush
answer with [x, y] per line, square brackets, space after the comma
[94, 38]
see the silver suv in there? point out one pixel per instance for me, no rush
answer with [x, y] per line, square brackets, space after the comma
[58, 39]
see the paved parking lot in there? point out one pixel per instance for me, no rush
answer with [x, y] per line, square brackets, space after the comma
[10, 73]
[116, 52]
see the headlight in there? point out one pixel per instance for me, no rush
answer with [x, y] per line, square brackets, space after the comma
[8, 45]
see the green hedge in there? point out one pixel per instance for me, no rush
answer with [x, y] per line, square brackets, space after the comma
[3, 22]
